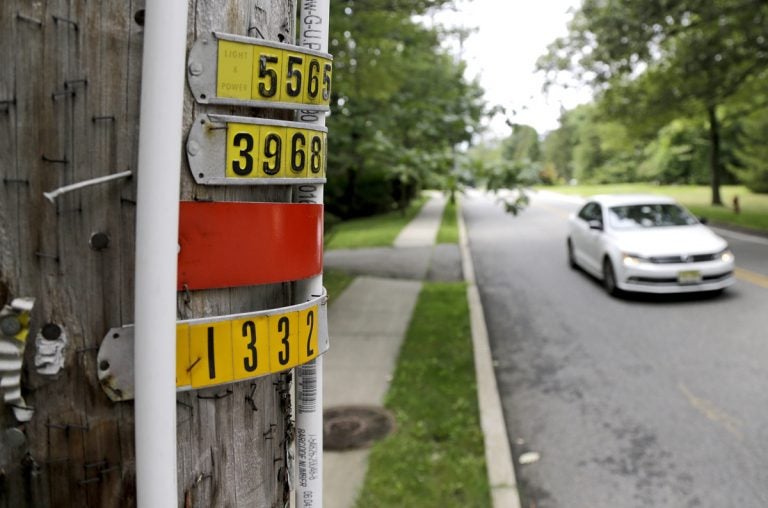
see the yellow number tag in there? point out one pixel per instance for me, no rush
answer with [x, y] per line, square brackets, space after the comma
[318, 87]
[308, 324]
[267, 74]
[210, 354]
[182, 356]
[250, 347]
[298, 150]
[273, 152]
[283, 341]
[234, 72]
[316, 156]
[293, 70]
[242, 150]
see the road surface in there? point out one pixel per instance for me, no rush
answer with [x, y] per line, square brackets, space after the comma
[635, 402]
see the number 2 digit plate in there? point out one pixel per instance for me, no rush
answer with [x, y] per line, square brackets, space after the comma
[230, 150]
[225, 349]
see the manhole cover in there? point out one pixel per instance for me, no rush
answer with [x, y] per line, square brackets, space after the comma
[354, 427]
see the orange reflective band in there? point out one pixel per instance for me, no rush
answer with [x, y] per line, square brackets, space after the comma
[227, 244]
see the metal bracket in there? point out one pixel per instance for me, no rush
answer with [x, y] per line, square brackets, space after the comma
[115, 359]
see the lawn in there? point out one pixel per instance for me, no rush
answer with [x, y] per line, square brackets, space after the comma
[335, 282]
[376, 231]
[449, 227]
[435, 458]
[697, 198]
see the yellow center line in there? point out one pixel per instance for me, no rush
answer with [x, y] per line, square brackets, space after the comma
[757, 279]
[713, 413]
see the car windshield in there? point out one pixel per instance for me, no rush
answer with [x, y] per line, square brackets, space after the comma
[649, 216]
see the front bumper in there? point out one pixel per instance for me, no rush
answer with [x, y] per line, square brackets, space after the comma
[676, 278]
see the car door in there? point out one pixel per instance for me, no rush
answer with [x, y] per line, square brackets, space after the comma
[586, 239]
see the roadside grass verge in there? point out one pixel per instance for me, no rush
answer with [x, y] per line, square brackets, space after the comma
[697, 198]
[435, 458]
[336, 281]
[449, 227]
[376, 231]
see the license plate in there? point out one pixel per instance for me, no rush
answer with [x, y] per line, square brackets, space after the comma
[689, 277]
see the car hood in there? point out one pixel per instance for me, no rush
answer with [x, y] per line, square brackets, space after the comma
[677, 240]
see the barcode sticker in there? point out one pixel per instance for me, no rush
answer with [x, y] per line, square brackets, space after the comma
[307, 388]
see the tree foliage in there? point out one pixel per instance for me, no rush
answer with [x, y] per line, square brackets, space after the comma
[400, 105]
[658, 61]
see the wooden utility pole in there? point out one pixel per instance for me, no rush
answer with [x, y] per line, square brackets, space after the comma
[69, 106]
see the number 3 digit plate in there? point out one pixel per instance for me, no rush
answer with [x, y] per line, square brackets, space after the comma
[230, 150]
[225, 349]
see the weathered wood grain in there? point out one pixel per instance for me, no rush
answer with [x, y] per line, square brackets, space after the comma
[71, 74]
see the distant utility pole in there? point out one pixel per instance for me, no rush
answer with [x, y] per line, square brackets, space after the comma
[69, 117]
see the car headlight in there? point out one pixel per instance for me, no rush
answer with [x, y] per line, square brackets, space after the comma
[727, 256]
[632, 259]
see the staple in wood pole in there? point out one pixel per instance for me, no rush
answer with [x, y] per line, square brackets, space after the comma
[28, 19]
[59, 19]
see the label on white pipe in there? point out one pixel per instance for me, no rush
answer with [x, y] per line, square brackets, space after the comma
[313, 34]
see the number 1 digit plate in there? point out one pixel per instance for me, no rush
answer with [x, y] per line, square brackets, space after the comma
[231, 150]
[224, 349]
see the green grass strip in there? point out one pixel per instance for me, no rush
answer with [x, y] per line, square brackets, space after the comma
[377, 231]
[335, 282]
[435, 458]
[449, 227]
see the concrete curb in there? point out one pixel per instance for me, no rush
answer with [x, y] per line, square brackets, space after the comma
[498, 455]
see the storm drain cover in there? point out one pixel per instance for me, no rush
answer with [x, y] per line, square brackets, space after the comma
[354, 427]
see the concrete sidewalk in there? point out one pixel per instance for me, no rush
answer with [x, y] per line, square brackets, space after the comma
[368, 322]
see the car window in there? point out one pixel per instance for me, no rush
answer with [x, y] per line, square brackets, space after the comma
[591, 211]
[649, 216]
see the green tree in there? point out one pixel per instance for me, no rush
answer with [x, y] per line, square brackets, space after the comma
[557, 148]
[522, 144]
[658, 60]
[400, 105]
[752, 160]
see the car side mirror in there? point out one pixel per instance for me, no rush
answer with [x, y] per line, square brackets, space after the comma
[595, 224]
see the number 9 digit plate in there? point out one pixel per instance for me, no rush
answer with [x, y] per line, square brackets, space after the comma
[224, 349]
[231, 150]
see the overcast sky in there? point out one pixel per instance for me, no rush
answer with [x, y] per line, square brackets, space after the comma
[511, 35]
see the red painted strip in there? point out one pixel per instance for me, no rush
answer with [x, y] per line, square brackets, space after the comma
[226, 244]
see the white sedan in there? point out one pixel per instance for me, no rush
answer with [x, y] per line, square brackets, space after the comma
[649, 244]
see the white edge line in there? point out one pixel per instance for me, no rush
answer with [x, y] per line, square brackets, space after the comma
[498, 455]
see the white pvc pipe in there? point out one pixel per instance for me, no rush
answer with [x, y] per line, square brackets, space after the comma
[313, 34]
[157, 233]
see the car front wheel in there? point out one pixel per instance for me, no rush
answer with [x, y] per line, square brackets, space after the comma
[609, 278]
[571, 257]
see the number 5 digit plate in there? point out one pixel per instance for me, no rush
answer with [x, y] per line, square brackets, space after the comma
[242, 71]
[231, 150]
[224, 349]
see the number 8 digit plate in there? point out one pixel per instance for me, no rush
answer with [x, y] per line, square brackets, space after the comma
[224, 349]
[230, 150]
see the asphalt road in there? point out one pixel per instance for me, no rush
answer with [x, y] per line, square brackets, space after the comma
[636, 402]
